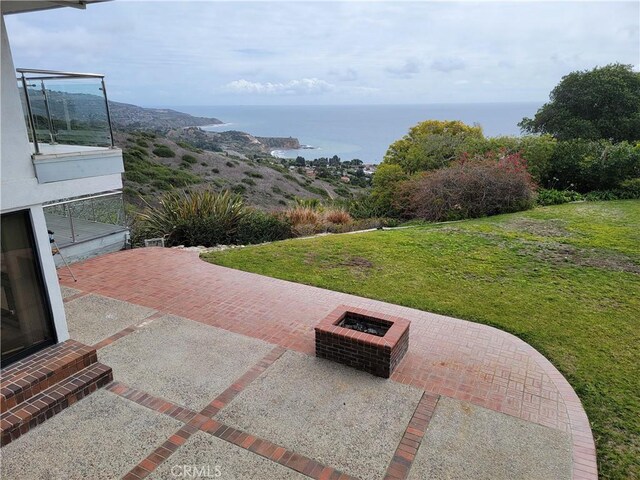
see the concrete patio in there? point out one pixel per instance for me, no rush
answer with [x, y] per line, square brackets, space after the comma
[214, 377]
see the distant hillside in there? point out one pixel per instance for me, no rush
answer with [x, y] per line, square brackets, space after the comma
[130, 117]
[155, 163]
[89, 108]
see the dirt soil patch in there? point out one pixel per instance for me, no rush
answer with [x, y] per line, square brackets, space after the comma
[541, 228]
[562, 253]
[359, 262]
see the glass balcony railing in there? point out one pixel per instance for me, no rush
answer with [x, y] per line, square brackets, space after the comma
[63, 108]
[80, 219]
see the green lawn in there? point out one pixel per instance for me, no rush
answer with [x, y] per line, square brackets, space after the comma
[565, 278]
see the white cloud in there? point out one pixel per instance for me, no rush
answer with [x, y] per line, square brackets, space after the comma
[448, 64]
[408, 69]
[304, 86]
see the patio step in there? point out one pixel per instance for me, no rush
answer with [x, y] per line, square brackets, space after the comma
[26, 378]
[37, 408]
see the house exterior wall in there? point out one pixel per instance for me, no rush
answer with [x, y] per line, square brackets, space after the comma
[19, 185]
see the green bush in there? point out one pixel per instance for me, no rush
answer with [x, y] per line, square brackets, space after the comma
[363, 207]
[189, 158]
[586, 165]
[230, 164]
[137, 168]
[164, 151]
[343, 191]
[239, 189]
[195, 218]
[253, 174]
[142, 142]
[260, 227]
[188, 146]
[556, 197]
[630, 188]
[215, 170]
[248, 181]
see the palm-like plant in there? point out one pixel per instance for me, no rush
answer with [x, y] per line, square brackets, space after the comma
[183, 217]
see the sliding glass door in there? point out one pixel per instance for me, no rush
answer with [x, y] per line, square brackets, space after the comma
[26, 321]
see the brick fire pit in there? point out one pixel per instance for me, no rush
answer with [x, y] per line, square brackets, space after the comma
[365, 340]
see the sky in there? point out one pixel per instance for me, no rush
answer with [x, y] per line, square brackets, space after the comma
[164, 53]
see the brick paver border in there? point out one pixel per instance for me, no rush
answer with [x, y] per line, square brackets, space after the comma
[128, 330]
[202, 421]
[408, 447]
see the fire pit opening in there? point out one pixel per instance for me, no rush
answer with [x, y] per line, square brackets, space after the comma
[362, 323]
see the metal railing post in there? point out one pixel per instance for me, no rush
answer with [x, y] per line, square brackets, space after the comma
[106, 103]
[73, 232]
[30, 115]
[46, 107]
[93, 210]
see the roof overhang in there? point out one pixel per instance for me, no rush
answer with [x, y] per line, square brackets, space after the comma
[21, 6]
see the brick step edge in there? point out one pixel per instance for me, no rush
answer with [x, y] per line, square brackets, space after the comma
[34, 411]
[42, 370]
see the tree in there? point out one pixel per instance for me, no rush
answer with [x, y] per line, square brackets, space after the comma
[300, 161]
[385, 184]
[603, 103]
[430, 145]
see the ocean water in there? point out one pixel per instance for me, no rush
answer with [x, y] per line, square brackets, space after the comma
[362, 132]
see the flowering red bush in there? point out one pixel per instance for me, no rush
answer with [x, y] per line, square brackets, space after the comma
[471, 187]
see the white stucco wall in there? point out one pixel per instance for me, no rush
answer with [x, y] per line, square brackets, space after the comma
[15, 151]
[19, 187]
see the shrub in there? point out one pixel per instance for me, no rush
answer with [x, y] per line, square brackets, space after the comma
[188, 146]
[312, 203]
[386, 180]
[302, 215]
[140, 170]
[215, 170]
[336, 216]
[557, 197]
[189, 158]
[230, 164]
[343, 191]
[164, 151]
[317, 190]
[586, 165]
[204, 164]
[364, 207]
[630, 188]
[196, 218]
[469, 188]
[248, 181]
[260, 227]
[239, 189]
[253, 174]
[142, 142]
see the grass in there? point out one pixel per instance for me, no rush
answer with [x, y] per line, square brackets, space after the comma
[565, 278]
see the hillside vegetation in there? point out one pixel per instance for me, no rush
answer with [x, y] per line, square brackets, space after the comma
[565, 278]
[155, 163]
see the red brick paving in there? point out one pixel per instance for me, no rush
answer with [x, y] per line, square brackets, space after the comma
[446, 356]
